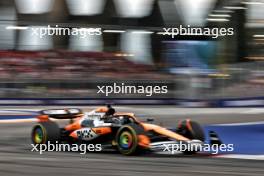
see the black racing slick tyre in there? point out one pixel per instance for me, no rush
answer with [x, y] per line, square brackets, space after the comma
[127, 139]
[45, 132]
[191, 130]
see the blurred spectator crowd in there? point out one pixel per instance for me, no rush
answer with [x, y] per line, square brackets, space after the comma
[77, 74]
[65, 65]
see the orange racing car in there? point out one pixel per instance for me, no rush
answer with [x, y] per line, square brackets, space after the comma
[117, 130]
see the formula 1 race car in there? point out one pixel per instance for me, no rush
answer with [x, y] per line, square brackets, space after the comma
[121, 131]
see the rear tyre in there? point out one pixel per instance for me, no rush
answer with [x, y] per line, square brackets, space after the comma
[44, 132]
[127, 139]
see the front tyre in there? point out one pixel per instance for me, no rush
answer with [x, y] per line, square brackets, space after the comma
[192, 130]
[44, 132]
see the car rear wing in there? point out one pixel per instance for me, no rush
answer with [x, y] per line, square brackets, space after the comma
[70, 113]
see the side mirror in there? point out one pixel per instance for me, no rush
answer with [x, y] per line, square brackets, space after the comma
[150, 120]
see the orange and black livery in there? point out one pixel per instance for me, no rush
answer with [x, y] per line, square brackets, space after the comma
[121, 131]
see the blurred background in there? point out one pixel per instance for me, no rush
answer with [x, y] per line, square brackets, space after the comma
[131, 48]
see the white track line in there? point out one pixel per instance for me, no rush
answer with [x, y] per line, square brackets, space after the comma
[254, 111]
[241, 124]
[18, 120]
[241, 156]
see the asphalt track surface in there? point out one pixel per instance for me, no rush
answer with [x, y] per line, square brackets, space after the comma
[17, 159]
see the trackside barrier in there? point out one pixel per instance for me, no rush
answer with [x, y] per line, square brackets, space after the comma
[240, 102]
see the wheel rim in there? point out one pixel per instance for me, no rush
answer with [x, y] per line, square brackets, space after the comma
[126, 140]
[38, 135]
